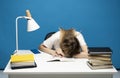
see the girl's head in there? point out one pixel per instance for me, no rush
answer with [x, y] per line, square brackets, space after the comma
[69, 43]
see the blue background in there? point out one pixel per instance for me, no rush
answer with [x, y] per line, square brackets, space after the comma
[98, 20]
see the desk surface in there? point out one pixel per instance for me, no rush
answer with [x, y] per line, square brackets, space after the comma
[72, 65]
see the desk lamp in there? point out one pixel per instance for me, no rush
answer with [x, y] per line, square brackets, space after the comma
[31, 25]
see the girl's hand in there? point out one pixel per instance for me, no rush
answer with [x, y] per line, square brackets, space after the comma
[53, 53]
[60, 52]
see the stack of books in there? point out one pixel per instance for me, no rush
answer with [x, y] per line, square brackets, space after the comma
[22, 61]
[100, 58]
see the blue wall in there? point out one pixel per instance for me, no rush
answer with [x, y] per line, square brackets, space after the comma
[98, 20]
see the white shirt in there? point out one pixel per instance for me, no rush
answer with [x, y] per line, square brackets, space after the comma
[54, 40]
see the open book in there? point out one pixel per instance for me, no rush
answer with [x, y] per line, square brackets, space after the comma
[59, 59]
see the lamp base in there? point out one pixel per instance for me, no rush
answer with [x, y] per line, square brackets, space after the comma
[23, 52]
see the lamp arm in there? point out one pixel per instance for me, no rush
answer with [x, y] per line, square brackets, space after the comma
[17, 29]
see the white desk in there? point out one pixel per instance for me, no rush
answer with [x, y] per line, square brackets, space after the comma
[75, 68]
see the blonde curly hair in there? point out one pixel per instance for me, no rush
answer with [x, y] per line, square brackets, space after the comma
[69, 43]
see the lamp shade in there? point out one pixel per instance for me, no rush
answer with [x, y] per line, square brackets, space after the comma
[32, 25]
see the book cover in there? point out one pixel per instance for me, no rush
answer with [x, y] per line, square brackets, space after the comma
[100, 58]
[99, 50]
[22, 57]
[23, 65]
[101, 55]
[99, 62]
[35, 51]
[94, 67]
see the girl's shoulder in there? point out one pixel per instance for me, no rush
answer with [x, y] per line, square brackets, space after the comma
[57, 33]
[77, 33]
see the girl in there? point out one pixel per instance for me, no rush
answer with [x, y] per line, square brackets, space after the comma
[65, 43]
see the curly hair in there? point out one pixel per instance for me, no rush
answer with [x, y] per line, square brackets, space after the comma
[69, 43]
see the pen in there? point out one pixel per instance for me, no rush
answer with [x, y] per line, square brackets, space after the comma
[55, 60]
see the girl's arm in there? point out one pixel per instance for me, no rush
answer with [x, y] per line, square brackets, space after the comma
[57, 52]
[47, 50]
[83, 54]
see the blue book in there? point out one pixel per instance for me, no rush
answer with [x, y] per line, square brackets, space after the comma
[99, 50]
[35, 51]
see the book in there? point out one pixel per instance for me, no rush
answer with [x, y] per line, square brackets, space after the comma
[99, 50]
[22, 57]
[100, 58]
[101, 55]
[22, 61]
[94, 67]
[59, 59]
[35, 51]
[23, 65]
[99, 62]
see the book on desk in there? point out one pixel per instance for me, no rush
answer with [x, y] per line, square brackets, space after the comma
[22, 61]
[99, 50]
[100, 58]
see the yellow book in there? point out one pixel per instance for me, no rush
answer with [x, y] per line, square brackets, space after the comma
[22, 58]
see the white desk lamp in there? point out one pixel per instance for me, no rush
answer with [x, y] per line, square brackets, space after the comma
[31, 26]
